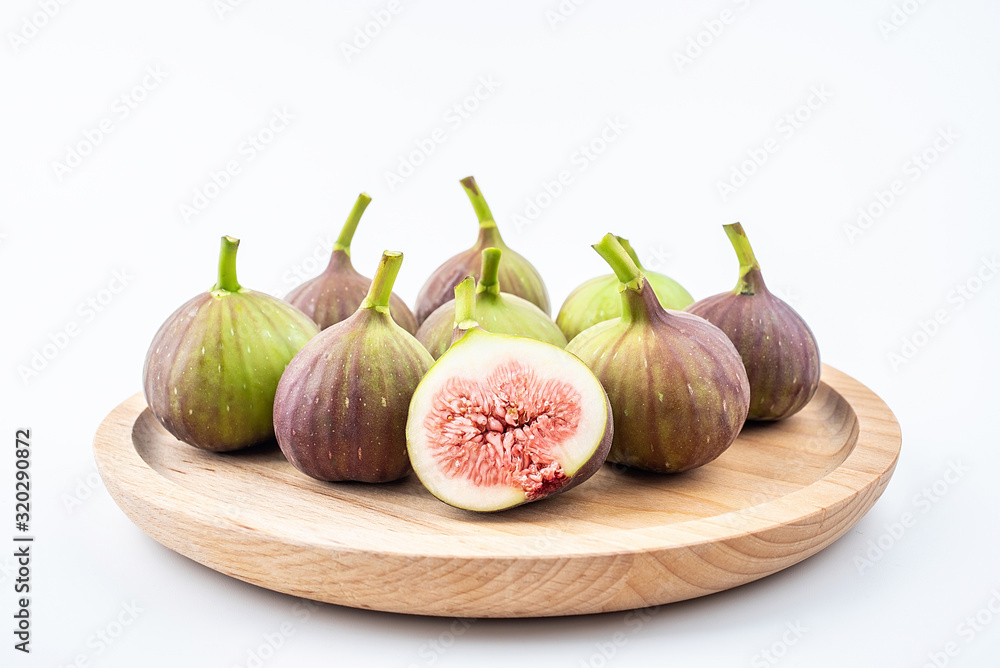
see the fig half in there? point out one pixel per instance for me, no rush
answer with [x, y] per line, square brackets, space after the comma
[517, 275]
[496, 311]
[778, 349]
[677, 386]
[598, 299]
[501, 420]
[340, 409]
[336, 293]
[213, 367]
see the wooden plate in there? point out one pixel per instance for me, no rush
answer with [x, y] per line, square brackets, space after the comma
[622, 540]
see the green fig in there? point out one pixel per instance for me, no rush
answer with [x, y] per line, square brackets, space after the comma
[778, 349]
[213, 367]
[598, 299]
[336, 293]
[340, 409]
[496, 311]
[499, 421]
[677, 386]
[518, 276]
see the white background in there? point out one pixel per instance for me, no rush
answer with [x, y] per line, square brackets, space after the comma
[684, 127]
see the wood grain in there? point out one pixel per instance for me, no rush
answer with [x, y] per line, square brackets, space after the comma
[622, 540]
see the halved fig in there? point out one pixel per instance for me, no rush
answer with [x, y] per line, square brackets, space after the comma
[501, 420]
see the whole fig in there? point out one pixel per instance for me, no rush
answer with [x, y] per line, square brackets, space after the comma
[676, 383]
[212, 368]
[336, 293]
[500, 420]
[340, 409]
[778, 349]
[517, 275]
[496, 311]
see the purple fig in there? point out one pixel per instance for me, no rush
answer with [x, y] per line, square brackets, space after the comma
[336, 293]
[340, 409]
[778, 349]
[676, 383]
[517, 275]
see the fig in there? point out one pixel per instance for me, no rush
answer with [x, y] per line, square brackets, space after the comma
[340, 409]
[213, 366]
[778, 349]
[502, 420]
[598, 299]
[496, 311]
[677, 386]
[336, 293]
[517, 275]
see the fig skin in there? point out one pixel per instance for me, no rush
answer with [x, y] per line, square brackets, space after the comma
[518, 276]
[340, 408]
[476, 350]
[677, 386]
[337, 292]
[598, 299]
[212, 368]
[496, 311]
[778, 349]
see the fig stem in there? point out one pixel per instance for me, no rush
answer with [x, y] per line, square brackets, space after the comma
[381, 288]
[347, 232]
[489, 235]
[631, 253]
[465, 305]
[749, 269]
[489, 272]
[227, 266]
[628, 273]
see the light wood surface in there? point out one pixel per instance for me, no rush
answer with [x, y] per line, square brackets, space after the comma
[622, 540]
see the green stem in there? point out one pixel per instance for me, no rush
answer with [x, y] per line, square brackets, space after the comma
[483, 212]
[381, 288]
[631, 253]
[749, 269]
[227, 266]
[615, 255]
[465, 305]
[489, 272]
[347, 233]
